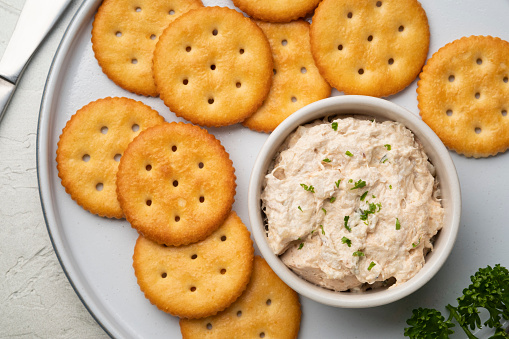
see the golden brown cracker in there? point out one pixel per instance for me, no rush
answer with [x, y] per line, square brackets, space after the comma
[296, 82]
[463, 95]
[213, 66]
[176, 183]
[91, 145]
[371, 47]
[267, 309]
[200, 279]
[124, 36]
[277, 10]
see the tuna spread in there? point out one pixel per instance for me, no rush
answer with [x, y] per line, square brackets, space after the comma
[352, 203]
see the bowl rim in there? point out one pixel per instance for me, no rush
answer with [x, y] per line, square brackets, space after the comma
[436, 151]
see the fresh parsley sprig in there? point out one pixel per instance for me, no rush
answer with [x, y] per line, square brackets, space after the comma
[489, 290]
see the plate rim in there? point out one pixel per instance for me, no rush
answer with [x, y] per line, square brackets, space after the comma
[79, 19]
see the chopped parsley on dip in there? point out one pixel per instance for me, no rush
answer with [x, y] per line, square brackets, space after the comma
[315, 234]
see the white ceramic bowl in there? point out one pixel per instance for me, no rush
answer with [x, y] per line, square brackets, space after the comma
[437, 153]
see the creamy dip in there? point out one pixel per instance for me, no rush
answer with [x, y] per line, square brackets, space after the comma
[352, 203]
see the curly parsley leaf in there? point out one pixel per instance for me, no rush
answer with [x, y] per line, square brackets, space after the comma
[489, 290]
[428, 323]
[334, 126]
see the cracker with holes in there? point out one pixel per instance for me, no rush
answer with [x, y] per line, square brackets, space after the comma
[463, 95]
[200, 279]
[296, 80]
[377, 47]
[277, 10]
[90, 148]
[213, 66]
[176, 183]
[267, 309]
[124, 36]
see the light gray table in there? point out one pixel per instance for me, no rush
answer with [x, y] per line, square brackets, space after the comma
[36, 299]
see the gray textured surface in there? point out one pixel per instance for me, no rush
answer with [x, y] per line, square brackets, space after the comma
[36, 298]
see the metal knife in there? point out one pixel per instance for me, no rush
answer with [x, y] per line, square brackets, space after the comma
[36, 20]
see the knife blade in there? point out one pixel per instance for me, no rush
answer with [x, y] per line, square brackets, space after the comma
[36, 20]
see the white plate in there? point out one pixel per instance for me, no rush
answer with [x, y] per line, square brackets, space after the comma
[96, 252]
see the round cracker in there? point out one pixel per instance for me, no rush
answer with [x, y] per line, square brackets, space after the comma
[463, 95]
[213, 66]
[196, 280]
[373, 47]
[277, 10]
[296, 81]
[90, 146]
[124, 36]
[267, 309]
[176, 183]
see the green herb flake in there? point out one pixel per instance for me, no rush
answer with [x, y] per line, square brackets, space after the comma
[309, 188]
[371, 266]
[323, 232]
[300, 246]
[350, 181]
[332, 199]
[373, 196]
[346, 223]
[390, 187]
[300, 209]
[398, 225]
[384, 159]
[359, 184]
[347, 241]
[415, 245]
[324, 210]
[349, 153]
[326, 160]
[388, 147]
[363, 196]
[337, 183]
[313, 231]
[334, 126]
[365, 213]
[358, 254]
[379, 206]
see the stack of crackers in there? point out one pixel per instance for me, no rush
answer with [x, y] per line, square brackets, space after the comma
[175, 183]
